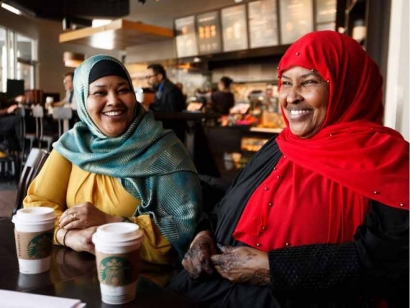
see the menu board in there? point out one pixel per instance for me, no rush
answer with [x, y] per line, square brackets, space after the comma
[296, 19]
[209, 33]
[325, 11]
[186, 37]
[263, 27]
[235, 33]
[326, 26]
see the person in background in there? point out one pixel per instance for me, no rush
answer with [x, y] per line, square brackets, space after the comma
[270, 102]
[7, 127]
[118, 164]
[69, 99]
[8, 110]
[168, 97]
[69, 88]
[320, 216]
[181, 87]
[223, 99]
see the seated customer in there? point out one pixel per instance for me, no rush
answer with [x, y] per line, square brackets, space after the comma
[8, 110]
[118, 164]
[319, 216]
[7, 128]
[69, 99]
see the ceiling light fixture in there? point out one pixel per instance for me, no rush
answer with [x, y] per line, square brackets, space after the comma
[10, 8]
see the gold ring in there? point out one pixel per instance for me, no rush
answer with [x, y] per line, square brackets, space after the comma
[73, 216]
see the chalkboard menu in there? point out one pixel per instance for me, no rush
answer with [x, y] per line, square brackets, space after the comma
[235, 33]
[186, 37]
[263, 27]
[296, 19]
[325, 11]
[209, 33]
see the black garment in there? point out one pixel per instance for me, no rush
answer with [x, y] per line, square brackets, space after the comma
[107, 68]
[70, 99]
[9, 133]
[223, 101]
[8, 124]
[168, 98]
[373, 265]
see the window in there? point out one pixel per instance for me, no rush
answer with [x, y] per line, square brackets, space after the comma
[3, 60]
[17, 58]
[25, 66]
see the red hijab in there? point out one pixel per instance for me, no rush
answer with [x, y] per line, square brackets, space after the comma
[319, 191]
[352, 148]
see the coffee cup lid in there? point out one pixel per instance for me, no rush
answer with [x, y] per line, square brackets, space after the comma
[118, 232]
[34, 215]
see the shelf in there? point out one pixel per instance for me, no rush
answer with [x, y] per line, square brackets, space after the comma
[240, 56]
[119, 34]
[266, 130]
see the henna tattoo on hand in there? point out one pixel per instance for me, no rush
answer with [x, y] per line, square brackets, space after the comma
[233, 261]
[199, 256]
[201, 245]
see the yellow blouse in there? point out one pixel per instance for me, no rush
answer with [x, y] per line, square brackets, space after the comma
[62, 185]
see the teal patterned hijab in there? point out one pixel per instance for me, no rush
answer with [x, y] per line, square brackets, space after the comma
[150, 162]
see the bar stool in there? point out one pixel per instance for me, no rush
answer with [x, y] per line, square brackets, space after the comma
[62, 114]
[30, 136]
[38, 114]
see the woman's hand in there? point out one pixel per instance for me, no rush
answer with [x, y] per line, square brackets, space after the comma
[198, 258]
[80, 240]
[85, 215]
[242, 264]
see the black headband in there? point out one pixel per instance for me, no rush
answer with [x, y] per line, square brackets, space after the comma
[107, 68]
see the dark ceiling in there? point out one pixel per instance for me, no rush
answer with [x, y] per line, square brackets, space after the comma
[154, 12]
[73, 9]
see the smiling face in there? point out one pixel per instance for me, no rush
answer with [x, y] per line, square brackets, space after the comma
[110, 104]
[304, 97]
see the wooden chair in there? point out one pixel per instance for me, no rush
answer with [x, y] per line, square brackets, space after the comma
[32, 167]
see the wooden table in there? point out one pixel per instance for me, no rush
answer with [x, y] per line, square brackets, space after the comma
[73, 275]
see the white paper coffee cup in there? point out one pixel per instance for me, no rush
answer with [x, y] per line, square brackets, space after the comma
[34, 230]
[117, 257]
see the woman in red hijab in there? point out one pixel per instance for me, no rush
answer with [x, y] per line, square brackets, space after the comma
[319, 217]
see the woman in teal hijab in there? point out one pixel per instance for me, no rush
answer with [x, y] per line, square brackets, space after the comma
[118, 164]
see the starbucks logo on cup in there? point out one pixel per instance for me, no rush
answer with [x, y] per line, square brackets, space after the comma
[116, 271]
[40, 246]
